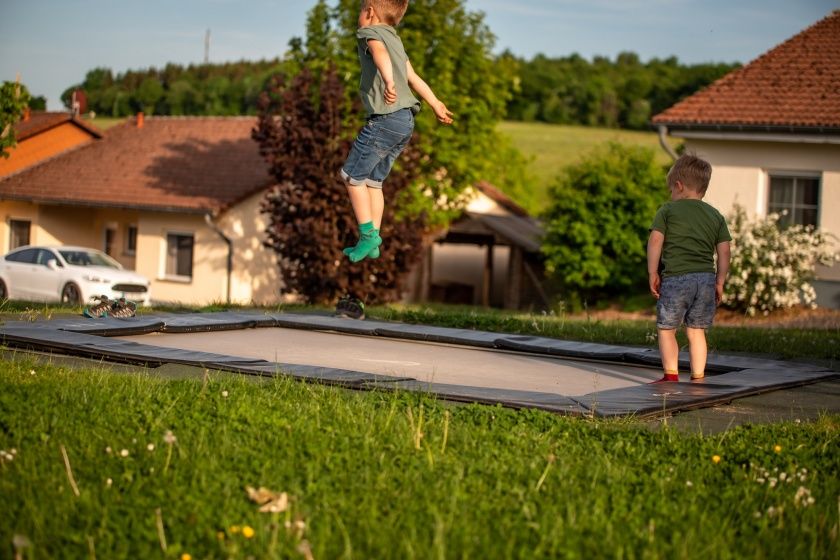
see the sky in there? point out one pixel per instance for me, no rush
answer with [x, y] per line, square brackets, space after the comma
[52, 44]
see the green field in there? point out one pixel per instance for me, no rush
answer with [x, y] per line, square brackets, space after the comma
[553, 147]
[104, 123]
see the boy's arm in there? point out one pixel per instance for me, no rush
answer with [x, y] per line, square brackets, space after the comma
[654, 253]
[443, 114]
[723, 255]
[382, 60]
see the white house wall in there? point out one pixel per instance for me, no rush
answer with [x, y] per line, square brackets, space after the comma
[740, 172]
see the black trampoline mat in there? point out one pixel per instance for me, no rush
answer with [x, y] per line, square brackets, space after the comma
[561, 376]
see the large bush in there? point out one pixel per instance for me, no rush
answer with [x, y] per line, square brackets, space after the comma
[772, 266]
[598, 221]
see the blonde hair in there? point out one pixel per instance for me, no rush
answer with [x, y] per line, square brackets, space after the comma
[389, 11]
[692, 171]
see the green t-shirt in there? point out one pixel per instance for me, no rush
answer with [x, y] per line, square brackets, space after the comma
[692, 232]
[372, 86]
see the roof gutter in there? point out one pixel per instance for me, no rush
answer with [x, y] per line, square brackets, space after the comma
[663, 132]
[209, 219]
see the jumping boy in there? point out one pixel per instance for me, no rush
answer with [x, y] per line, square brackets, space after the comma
[685, 235]
[390, 106]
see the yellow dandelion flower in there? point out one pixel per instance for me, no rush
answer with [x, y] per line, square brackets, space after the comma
[235, 529]
[777, 448]
[247, 532]
[715, 459]
[220, 535]
[186, 556]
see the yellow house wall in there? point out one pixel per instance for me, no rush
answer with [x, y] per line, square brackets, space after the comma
[10, 210]
[255, 279]
[207, 284]
[256, 276]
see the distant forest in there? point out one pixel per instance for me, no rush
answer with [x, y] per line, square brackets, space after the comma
[624, 92]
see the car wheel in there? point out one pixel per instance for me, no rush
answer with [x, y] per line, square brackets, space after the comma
[4, 293]
[71, 295]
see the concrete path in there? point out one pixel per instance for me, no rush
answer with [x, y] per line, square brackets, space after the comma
[428, 362]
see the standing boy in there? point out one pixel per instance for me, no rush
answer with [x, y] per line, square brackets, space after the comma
[390, 106]
[685, 236]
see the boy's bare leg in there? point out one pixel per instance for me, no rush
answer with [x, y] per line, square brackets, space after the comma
[377, 206]
[360, 200]
[698, 351]
[669, 350]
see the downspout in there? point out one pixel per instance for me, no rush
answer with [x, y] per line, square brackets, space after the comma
[663, 132]
[209, 219]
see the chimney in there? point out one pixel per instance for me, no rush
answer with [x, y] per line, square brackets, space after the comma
[140, 119]
[27, 113]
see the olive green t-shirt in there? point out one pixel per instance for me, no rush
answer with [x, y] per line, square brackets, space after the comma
[372, 86]
[692, 232]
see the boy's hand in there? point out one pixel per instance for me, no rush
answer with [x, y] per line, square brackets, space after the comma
[655, 282]
[390, 93]
[443, 114]
[718, 293]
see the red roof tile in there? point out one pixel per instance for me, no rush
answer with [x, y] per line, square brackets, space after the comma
[796, 84]
[194, 164]
[40, 121]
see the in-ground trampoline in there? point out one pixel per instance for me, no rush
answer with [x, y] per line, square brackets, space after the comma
[455, 364]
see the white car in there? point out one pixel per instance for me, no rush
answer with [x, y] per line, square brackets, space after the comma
[71, 275]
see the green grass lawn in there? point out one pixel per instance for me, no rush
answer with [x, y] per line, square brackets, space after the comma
[96, 464]
[553, 147]
[104, 123]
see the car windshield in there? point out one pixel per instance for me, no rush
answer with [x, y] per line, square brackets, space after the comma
[88, 258]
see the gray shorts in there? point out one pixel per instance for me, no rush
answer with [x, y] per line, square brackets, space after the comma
[377, 147]
[688, 298]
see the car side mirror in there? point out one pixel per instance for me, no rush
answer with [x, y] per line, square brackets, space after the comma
[52, 264]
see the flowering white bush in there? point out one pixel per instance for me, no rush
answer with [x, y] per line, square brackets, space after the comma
[771, 266]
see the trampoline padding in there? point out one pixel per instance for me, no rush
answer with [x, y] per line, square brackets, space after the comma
[208, 322]
[325, 323]
[440, 335]
[656, 398]
[107, 326]
[565, 348]
[770, 378]
[486, 395]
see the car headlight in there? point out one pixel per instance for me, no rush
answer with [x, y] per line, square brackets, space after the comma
[92, 278]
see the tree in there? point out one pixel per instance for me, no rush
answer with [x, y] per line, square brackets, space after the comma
[14, 99]
[451, 49]
[303, 135]
[597, 225]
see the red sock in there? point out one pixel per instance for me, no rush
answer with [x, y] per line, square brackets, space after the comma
[670, 376]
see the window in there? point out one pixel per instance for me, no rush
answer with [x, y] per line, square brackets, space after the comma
[19, 233]
[179, 255]
[110, 235]
[26, 256]
[131, 240]
[797, 198]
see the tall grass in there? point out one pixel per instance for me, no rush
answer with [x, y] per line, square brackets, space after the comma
[162, 467]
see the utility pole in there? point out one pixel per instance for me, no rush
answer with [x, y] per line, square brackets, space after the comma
[207, 47]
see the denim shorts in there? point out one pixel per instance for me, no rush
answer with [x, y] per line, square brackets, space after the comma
[377, 147]
[688, 298]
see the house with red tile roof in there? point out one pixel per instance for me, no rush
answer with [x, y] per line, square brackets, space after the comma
[178, 200]
[174, 198]
[771, 131]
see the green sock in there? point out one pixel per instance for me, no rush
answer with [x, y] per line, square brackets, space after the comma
[365, 228]
[369, 240]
